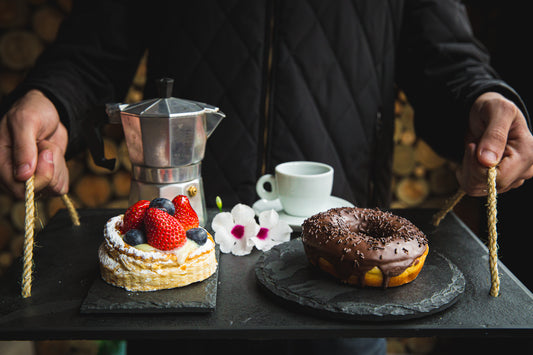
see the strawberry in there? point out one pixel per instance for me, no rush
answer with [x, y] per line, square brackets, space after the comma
[185, 213]
[133, 218]
[163, 231]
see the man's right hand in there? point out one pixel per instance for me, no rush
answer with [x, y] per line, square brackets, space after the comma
[33, 141]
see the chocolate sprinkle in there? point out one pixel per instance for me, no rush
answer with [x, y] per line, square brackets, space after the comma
[371, 235]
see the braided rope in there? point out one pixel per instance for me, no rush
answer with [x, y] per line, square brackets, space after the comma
[29, 221]
[493, 233]
[450, 204]
[491, 220]
[29, 228]
[71, 210]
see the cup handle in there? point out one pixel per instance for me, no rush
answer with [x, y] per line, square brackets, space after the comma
[260, 187]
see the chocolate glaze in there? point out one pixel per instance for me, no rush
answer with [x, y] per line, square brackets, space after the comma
[355, 240]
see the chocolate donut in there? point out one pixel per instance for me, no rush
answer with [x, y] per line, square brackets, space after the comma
[365, 247]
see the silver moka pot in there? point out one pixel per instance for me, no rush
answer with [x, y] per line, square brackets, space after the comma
[166, 140]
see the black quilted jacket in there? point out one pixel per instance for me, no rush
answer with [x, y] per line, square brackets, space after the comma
[297, 79]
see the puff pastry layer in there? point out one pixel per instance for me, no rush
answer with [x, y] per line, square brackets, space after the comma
[125, 266]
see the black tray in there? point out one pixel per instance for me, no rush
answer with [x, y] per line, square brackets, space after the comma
[66, 265]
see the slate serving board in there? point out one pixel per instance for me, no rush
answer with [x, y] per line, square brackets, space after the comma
[197, 297]
[286, 273]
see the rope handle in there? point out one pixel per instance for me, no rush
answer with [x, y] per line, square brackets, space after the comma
[29, 227]
[493, 233]
[449, 205]
[491, 220]
[29, 220]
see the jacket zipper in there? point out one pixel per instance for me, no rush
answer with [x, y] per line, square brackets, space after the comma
[268, 90]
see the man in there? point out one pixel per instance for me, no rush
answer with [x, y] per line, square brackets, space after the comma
[298, 80]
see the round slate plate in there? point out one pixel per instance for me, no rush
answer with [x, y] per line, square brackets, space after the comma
[285, 271]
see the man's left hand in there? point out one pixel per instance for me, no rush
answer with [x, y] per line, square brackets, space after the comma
[498, 136]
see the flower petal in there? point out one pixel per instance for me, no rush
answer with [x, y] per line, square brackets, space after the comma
[221, 221]
[281, 233]
[264, 244]
[268, 218]
[222, 225]
[242, 214]
[242, 247]
[250, 229]
[225, 240]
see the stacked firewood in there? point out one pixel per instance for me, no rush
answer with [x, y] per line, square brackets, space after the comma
[26, 28]
[421, 178]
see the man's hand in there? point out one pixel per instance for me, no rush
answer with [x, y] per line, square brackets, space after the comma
[498, 136]
[33, 141]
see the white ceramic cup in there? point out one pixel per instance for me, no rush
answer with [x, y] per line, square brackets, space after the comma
[303, 187]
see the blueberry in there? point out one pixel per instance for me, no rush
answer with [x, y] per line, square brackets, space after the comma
[197, 235]
[135, 237]
[163, 204]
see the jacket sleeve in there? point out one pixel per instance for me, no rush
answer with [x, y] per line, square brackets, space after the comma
[92, 62]
[443, 69]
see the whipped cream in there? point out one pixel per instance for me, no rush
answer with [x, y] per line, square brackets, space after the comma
[188, 250]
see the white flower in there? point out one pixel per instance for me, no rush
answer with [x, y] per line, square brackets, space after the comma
[272, 231]
[234, 230]
[237, 232]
